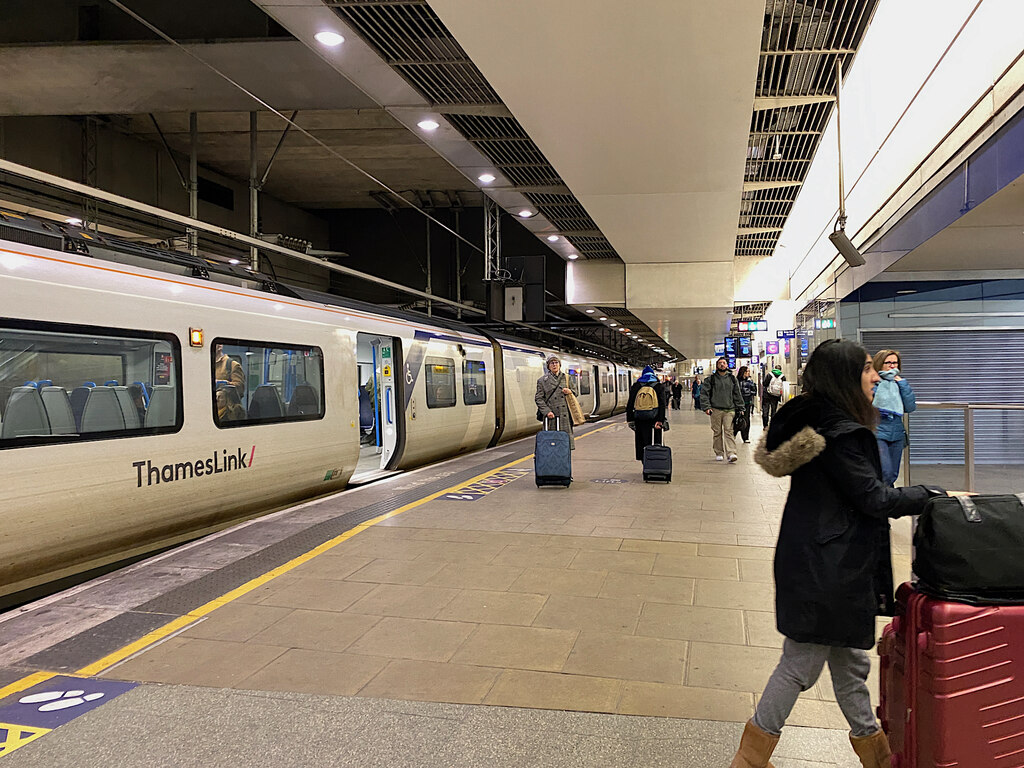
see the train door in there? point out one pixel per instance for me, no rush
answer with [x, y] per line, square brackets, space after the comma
[600, 388]
[377, 359]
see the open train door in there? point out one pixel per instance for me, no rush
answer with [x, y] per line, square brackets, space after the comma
[381, 429]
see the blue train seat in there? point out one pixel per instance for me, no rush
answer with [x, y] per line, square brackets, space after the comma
[58, 410]
[102, 413]
[365, 411]
[111, 383]
[266, 403]
[304, 401]
[143, 389]
[24, 414]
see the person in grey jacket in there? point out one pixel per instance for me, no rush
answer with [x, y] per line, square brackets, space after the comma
[720, 398]
[893, 398]
[552, 388]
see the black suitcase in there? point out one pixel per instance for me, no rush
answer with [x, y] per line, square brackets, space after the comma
[971, 548]
[658, 460]
[552, 457]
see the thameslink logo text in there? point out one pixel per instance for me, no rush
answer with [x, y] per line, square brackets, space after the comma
[154, 474]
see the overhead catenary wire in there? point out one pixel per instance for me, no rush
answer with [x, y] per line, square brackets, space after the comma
[163, 35]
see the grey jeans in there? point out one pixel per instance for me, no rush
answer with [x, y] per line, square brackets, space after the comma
[800, 667]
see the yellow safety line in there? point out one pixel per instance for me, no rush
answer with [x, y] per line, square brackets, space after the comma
[183, 621]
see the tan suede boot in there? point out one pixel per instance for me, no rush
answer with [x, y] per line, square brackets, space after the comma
[756, 748]
[872, 750]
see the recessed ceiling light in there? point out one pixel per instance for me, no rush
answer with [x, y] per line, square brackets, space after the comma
[590, 311]
[428, 125]
[328, 38]
[73, 222]
[612, 325]
[904, 293]
[573, 256]
[486, 178]
[233, 261]
[552, 238]
[526, 213]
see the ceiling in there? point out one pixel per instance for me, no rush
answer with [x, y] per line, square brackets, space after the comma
[653, 133]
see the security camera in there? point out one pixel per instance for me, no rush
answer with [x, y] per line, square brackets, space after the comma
[846, 248]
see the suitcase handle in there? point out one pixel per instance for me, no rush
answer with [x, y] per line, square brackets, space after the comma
[660, 433]
[546, 420]
[970, 509]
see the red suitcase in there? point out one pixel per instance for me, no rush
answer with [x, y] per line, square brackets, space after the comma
[952, 683]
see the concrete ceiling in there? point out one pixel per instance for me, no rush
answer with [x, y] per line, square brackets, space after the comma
[990, 237]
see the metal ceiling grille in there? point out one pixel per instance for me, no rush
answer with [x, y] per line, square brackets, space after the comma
[753, 311]
[794, 94]
[410, 37]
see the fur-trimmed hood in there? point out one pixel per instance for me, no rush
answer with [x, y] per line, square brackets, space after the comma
[799, 433]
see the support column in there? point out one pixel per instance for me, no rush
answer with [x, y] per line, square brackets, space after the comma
[193, 181]
[492, 239]
[254, 190]
[430, 304]
[90, 148]
[458, 268]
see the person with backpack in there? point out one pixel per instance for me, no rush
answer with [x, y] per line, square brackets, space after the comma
[771, 395]
[720, 398]
[833, 566]
[645, 410]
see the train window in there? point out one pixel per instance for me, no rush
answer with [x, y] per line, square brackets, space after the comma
[474, 383]
[440, 382]
[574, 380]
[584, 382]
[66, 383]
[257, 382]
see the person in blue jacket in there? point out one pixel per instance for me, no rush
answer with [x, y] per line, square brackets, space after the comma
[893, 398]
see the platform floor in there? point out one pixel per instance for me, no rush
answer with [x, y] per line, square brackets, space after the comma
[615, 623]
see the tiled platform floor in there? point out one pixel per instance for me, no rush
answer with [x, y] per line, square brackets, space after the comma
[614, 597]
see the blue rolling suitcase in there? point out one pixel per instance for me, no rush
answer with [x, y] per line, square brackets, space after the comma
[552, 458]
[658, 460]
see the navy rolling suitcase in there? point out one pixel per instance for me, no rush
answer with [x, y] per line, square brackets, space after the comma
[552, 459]
[658, 460]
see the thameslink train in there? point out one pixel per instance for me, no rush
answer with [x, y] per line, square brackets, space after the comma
[142, 406]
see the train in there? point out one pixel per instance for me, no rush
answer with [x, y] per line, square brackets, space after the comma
[149, 397]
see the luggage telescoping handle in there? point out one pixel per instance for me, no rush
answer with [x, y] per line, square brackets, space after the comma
[546, 428]
[660, 434]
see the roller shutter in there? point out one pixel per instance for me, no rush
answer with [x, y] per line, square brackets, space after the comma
[963, 366]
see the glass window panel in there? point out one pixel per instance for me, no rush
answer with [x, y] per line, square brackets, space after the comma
[257, 382]
[474, 383]
[440, 382]
[63, 383]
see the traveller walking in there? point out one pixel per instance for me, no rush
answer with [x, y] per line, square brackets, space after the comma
[771, 395]
[893, 398]
[677, 394]
[645, 410]
[695, 392]
[720, 398]
[833, 570]
[552, 388]
[748, 389]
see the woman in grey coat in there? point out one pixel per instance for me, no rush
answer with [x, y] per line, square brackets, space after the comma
[552, 388]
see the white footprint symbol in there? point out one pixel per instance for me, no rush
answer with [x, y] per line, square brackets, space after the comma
[53, 701]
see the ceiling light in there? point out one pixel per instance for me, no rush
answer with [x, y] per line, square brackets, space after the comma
[602, 317]
[328, 38]
[612, 325]
[428, 125]
[904, 293]
[573, 256]
[526, 213]
[233, 261]
[552, 238]
[73, 222]
[590, 311]
[486, 178]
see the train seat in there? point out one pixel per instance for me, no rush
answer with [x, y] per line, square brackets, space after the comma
[142, 389]
[128, 409]
[78, 397]
[266, 403]
[365, 411]
[44, 383]
[111, 383]
[102, 412]
[58, 410]
[33, 384]
[162, 406]
[24, 414]
[304, 401]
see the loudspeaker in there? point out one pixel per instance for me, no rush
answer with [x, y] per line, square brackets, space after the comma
[846, 248]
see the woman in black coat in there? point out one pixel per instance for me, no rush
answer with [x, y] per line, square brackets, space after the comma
[833, 570]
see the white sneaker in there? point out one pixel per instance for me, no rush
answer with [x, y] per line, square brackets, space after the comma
[719, 458]
[732, 458]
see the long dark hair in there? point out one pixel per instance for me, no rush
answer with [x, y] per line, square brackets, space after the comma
[834, 373]
[741, 374]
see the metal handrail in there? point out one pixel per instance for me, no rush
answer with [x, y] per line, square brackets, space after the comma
[968, 409]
